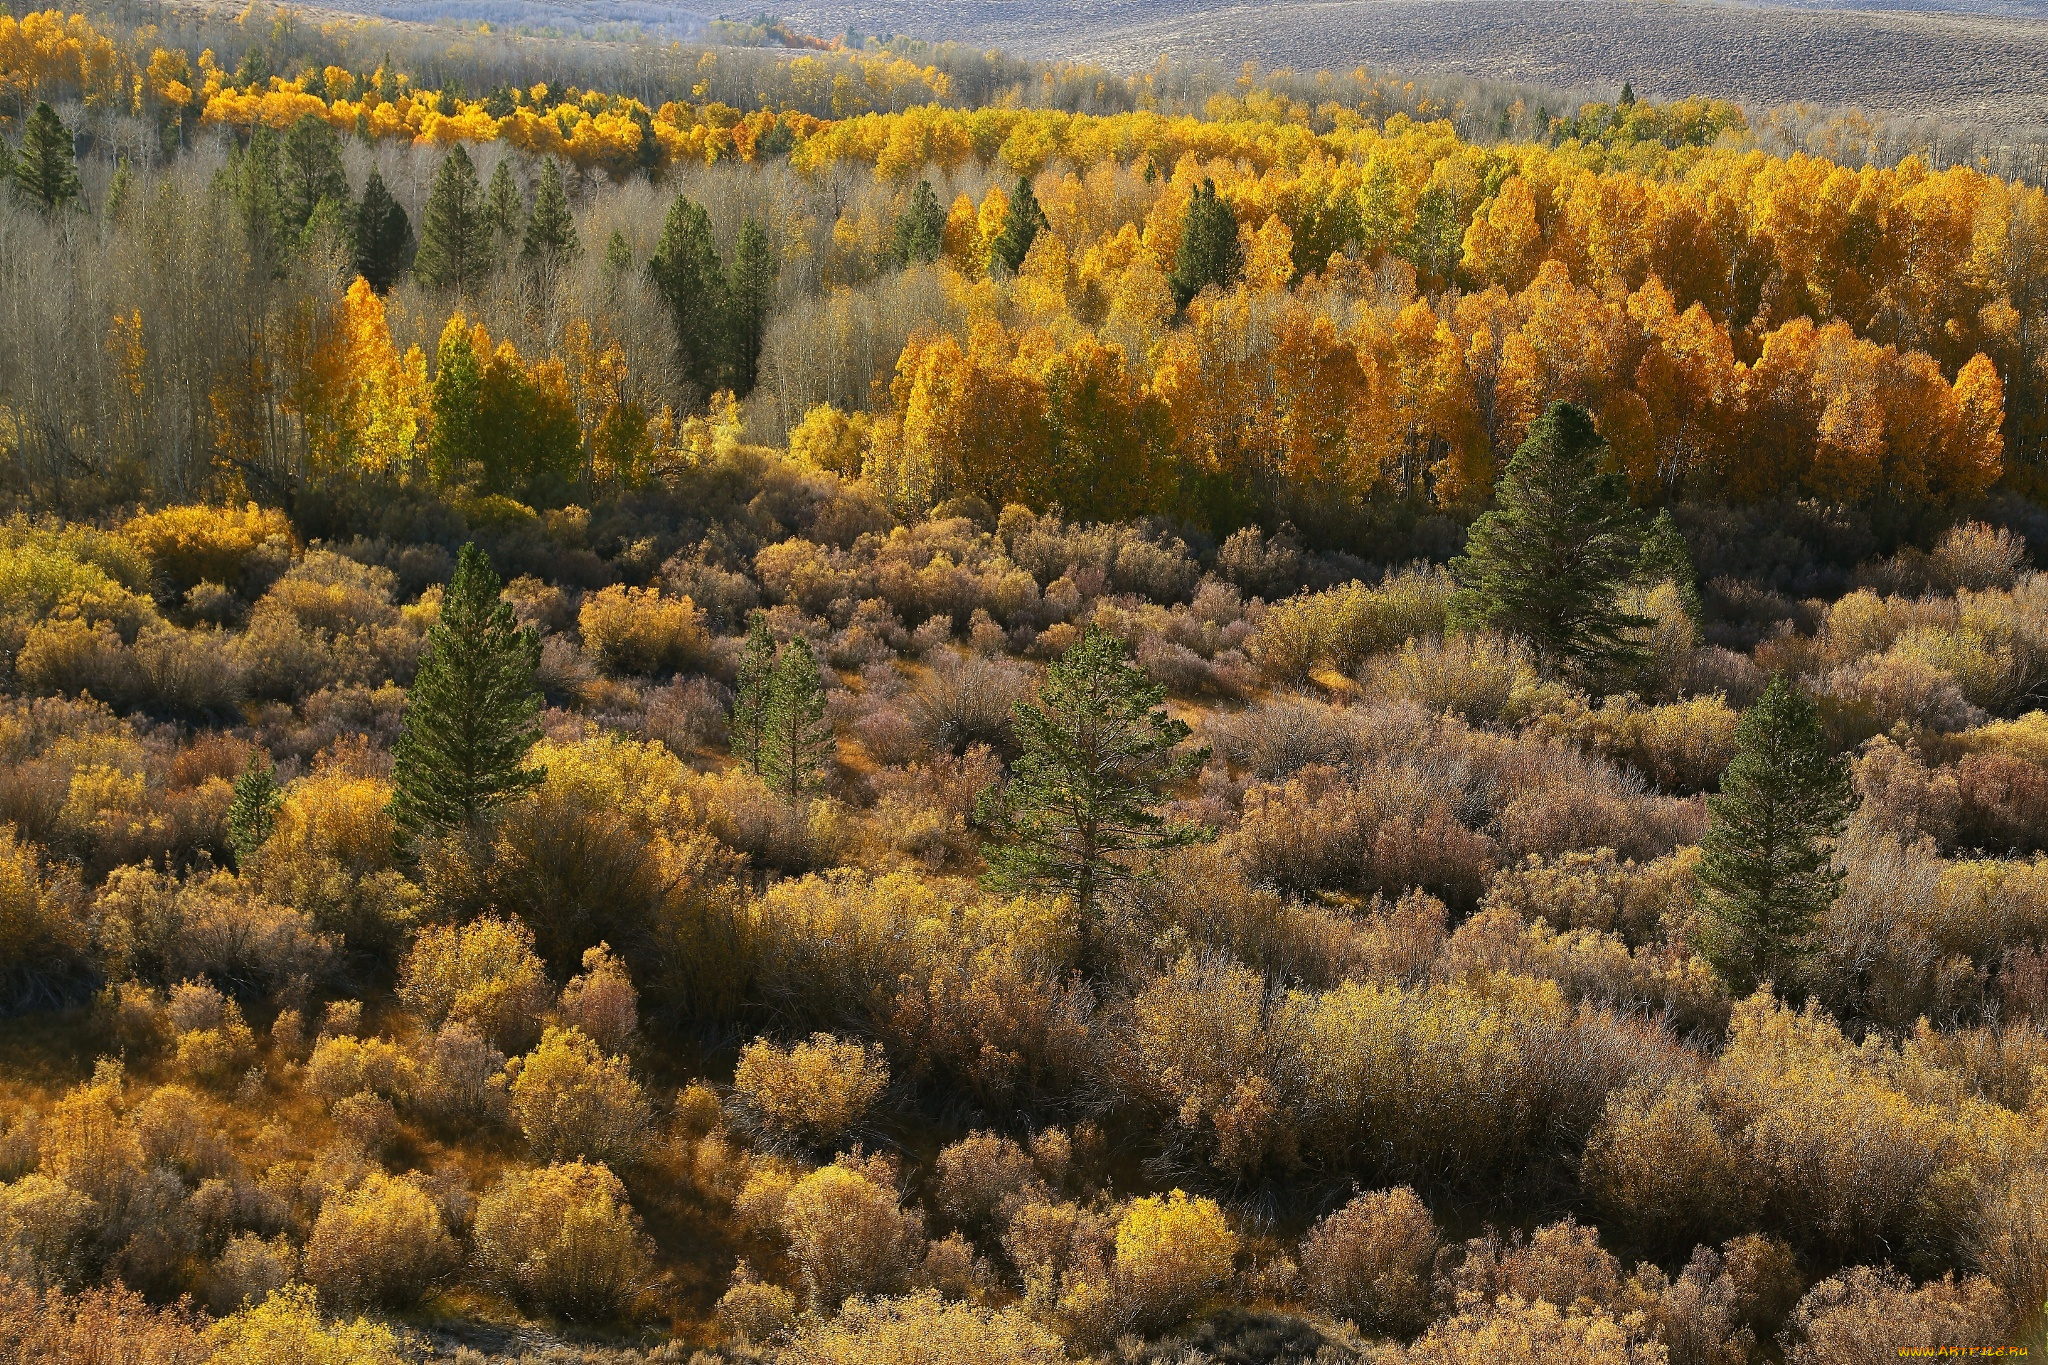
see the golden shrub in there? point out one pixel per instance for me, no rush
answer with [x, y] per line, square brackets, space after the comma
[572, 1101]
[1173, 1254]
[45, 949]
[1971, 556]
[332, 853]
[457, 1079]
[1369, 1262]
[88, 1143]
[814, 1092]
[381, 1243]
[249, 1270]
[193, 544]
[1659, 1167]
[44, 1227]
[564, 1238]
[640, 631]
[483, 974]
[1474, 676]
[924, 1329]
[752, 1310]
[831, 440]
[288, 1327]
[1513, 1332]
[342, 1065]
[1342, 627]
[848, 1235]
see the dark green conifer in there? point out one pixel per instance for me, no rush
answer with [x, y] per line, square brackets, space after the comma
[747, 726]
[691, 283]
[1021, 227]
[455, 236]
[798, 740]
[382, 235]
[253, 814]
[921, 230]
[469, 718]
[748, 301]
[1209, 253]
[1549, 563]
[551, 231]
[1766, 872]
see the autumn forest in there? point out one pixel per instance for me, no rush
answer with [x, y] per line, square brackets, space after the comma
[823, 700]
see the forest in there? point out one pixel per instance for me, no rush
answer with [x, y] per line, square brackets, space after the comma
[828, 700]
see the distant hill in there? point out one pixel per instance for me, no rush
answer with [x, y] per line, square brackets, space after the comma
[1973, 60]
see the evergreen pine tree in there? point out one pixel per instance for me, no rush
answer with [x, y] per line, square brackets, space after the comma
[455, 238]
[1021, 227]
[1628, 93]
[1665, 556]
[309, 171]
[1209, 252]
[1098, 755]
[504, 211]
[618, 254]
[797, 739]
[383, 235]
[253, 814]
[254, 185]
[748, 724]
[1550, 561]
[456, 436]
[551, 231]
[920, 232]
[1765, 873]
[748, 301]
[47, 167]
[469, 719]
[118, 192]
[691, 282]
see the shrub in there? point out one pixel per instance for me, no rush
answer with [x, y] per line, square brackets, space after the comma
[458, 1079]
[288, 1326]
[45, 950]
[1172, 1255]
[1660, 1168]
[1370, 1261]
[925, 1329]
[69, 657]
[848, 1235]
[641, 631]
[564, 1239]
[1511, 1331]
[1972, 556]
[1342, 627]
[812, 1093]
[571, 1101]
[44, 1227]
[381, 1243]
[237, 546]
[753, 1311]
[249, 1270]
[483, 974]
[331, 854]
[982, 1178]
[341, 1066]
[55, 1328]
[602, 1001]
[1474, 676]
[1870, 1313]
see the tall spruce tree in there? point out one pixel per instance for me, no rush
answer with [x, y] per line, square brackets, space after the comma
[690, 280]
[254, 182]
[1209, 252]
[551, 232]
[747, 726]
[1084, 795]
[469, 719]
[797, 740]
[455, 237]
[920, 231]
[1021, 227]
[252, 815]
[309, 172]
[46, 168]
[504, 211]
[749, 298]
[1550, 561]
[1665, 556]
[382, 235]
[1766, 871]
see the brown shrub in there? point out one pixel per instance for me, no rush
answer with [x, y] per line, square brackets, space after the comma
[1868, 1313]
[95, 1326]
[602, 1001]
[249, 1270]
[1973, 557]
[1510, 1331]
[1369, 1262]
[982, 1179]
[2003, 803]
[458, 1080]
[210, 924]
[380, 1243]
[45, 948]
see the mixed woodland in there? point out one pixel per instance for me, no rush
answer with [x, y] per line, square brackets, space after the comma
[836, 700]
